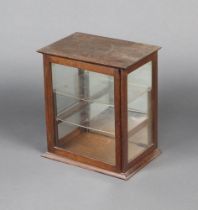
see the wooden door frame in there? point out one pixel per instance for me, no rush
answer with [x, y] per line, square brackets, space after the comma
[50, 110]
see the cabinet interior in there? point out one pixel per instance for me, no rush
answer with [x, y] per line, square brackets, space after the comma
[85, 115]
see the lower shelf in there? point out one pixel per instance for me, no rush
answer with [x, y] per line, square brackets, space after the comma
[96, 146]
[100, 118]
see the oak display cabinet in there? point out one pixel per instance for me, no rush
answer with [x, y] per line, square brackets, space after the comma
[101, 103]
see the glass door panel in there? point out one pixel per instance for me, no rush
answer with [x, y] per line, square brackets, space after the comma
[85, 116]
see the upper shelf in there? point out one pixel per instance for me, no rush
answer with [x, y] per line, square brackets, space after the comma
[102, 92]
[72, 84]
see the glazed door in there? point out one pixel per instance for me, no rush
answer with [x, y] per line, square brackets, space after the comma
[85, 114]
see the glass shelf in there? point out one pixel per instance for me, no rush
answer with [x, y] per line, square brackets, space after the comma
[99, 118]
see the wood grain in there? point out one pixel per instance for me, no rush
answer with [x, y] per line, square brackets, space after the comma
[99, 50]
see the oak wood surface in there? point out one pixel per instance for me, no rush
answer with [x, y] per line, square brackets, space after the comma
[100, 50]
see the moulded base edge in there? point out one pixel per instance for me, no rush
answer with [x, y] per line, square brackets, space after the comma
[125, 176]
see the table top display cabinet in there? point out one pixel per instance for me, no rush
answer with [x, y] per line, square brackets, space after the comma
[101, 103]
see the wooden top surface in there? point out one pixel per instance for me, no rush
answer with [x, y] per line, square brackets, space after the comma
[99, 50]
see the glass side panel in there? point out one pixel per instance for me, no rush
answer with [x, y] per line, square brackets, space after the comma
[139, 111]
[85, 116]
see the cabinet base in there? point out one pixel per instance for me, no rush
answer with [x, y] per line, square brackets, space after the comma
[124, 176]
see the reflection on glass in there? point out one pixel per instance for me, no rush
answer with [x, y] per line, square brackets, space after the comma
[139, 110]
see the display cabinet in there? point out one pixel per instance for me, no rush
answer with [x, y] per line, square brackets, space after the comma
[101, 103]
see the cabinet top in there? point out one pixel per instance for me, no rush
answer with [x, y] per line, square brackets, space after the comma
[99, 50]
